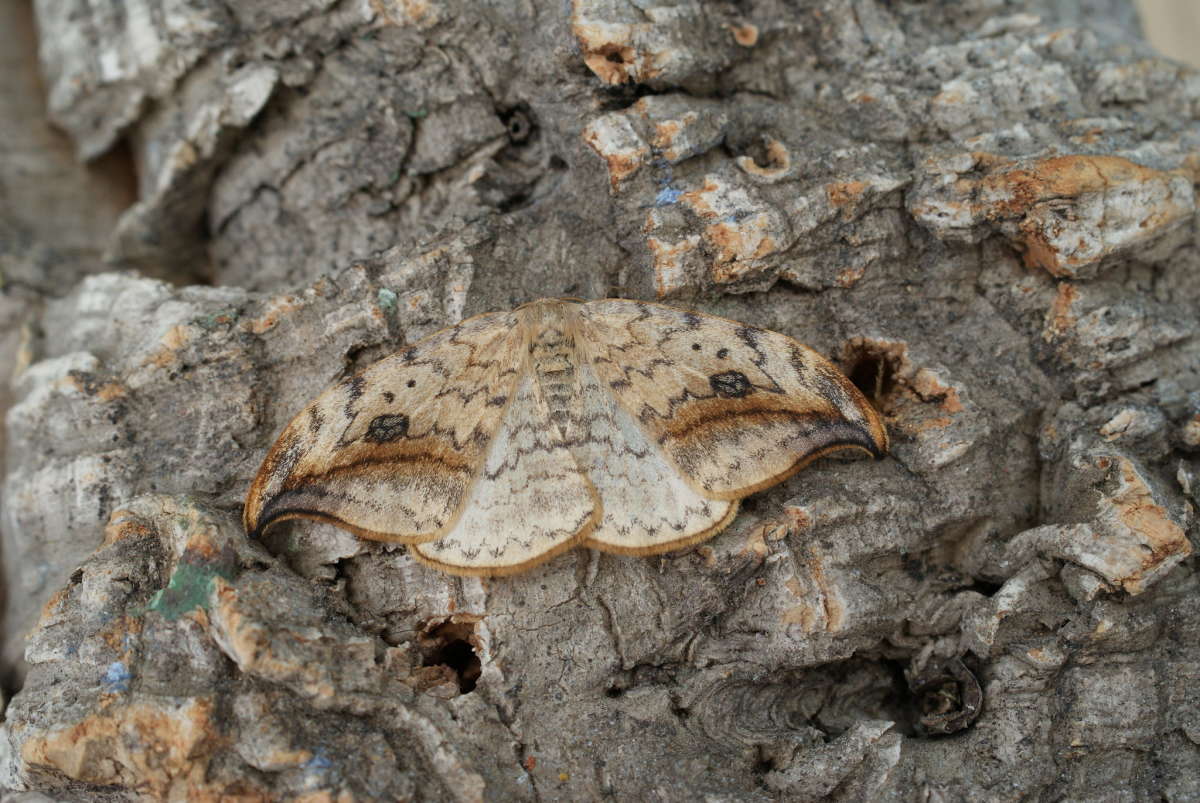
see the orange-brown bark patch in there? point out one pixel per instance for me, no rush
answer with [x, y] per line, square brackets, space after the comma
[1061, 316]
[841, 193]
[745, 34]
[275, 310]
[161, 749]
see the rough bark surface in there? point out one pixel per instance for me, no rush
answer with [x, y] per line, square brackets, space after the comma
[984, 210]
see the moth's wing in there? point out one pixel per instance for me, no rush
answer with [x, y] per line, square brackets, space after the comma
[648, 506]
[735, 408]
[390, 454]
[529, 503]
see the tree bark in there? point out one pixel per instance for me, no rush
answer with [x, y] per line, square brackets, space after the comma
[985, 212]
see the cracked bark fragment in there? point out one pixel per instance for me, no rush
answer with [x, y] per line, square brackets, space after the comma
[625, 42]
[272, 628]
[1067, 214]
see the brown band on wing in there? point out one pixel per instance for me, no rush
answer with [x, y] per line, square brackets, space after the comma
[318, 501]
[301, 495]
[383, 461]
[705, 418]
[696, 433]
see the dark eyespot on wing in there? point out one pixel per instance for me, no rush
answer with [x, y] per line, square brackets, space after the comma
[386, 428]
[730, 385]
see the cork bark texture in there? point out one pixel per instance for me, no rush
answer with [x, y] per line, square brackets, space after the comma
[983, 211]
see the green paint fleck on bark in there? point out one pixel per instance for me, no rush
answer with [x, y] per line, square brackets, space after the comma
[215, 319]
[191, 584]
[387, 300]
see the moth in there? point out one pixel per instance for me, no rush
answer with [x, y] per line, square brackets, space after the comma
[625, 426]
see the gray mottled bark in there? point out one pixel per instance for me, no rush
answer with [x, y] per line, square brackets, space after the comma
[985, 211]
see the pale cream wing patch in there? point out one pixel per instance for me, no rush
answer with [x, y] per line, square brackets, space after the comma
[390, 453]
[647, 506]
[529, 502]
[734, 408]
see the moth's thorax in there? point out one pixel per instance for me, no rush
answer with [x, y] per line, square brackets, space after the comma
[551, 328]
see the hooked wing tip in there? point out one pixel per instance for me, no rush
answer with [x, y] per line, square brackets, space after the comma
[880, 441]
[252, 521]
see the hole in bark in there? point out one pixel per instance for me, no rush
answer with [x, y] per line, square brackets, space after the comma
[865, 688]
[459, 656]
[898, 699]
[984, 587]
[118, 169]
[518, 121]
[450, 644]
[768, 154]
[872, 369]
[615, 57]
[874, 376]
[622, 96]
[514, 202]
[613, 692]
